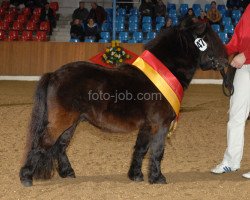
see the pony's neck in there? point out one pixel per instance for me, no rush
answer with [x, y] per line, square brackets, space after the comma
[176, 50]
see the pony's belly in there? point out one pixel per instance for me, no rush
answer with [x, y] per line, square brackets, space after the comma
[114, 123]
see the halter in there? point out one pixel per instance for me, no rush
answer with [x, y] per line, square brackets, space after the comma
[227, 83]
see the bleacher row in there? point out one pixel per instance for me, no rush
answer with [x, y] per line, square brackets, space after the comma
[23, 25]
[131, 28]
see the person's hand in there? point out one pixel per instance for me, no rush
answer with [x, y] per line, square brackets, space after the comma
[238, 60]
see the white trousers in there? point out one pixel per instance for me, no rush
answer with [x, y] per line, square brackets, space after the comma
[238, 113]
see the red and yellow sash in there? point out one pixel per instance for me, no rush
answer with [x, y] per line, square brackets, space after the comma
[162, 78]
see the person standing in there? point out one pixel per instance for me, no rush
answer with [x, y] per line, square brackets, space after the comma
[47, 14]
[146, 8]
[240, 100]
[81, 13]
[160, 9]
[97, 13]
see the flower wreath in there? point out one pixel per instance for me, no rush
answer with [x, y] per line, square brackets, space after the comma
[115, 55]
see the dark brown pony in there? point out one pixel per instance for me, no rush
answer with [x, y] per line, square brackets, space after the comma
[73, 93]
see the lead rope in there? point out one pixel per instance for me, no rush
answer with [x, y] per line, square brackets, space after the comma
[227, 84]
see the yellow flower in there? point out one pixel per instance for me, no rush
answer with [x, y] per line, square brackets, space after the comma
[120, 60]
[118, 49]
[107, 50]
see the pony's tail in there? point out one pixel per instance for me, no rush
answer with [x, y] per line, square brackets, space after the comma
[38, 127]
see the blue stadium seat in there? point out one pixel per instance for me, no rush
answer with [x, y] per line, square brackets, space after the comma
[134, 11]
[146, 19]
[197, 12]
[196, 6]
[109, 11]
[103, 41]
[121, 12]
[158, 27]
[171, 6]
[109, 19]
[229, 29]
[223, 13]
[120, 19]
[74, 40]
[151, 35]
[105, 35]
[119, 26]
[132, 41]
[106, 27]
[146, 27]
[224, 37]
[132, 27]
[221, 7]
[160, 19]
[207, 7]
[123, 36]
[236, 21]
[226, 21]
[133, 19]
[236, 14]
[216, 27]
[183, 9]
[175, 21]
[138, 36]
[172, 13]
[89, 40]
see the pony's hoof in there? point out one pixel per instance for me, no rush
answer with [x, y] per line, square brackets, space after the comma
[26, 183]
[136, 178]
[70, 174]
[158, 180]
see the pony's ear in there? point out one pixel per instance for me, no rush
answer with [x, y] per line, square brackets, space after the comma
[186, 23]
[199, 28]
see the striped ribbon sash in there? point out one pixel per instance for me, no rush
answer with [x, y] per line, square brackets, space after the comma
[162, 78]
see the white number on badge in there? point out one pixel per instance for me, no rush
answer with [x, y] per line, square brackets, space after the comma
[201, 44]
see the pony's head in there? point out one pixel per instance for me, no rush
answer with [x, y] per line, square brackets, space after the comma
[211, 51]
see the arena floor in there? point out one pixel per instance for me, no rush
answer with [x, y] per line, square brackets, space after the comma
[101, 160]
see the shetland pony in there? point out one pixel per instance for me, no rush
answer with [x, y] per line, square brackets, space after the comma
[66, 97]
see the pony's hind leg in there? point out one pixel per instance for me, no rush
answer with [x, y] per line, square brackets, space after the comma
[140, 150]
[64, 167]
[157, 150]
[27, 171]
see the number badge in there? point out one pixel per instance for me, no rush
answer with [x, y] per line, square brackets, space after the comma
[201, 44]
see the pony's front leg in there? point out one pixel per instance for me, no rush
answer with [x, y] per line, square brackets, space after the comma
[140, 150]
[157, 150]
